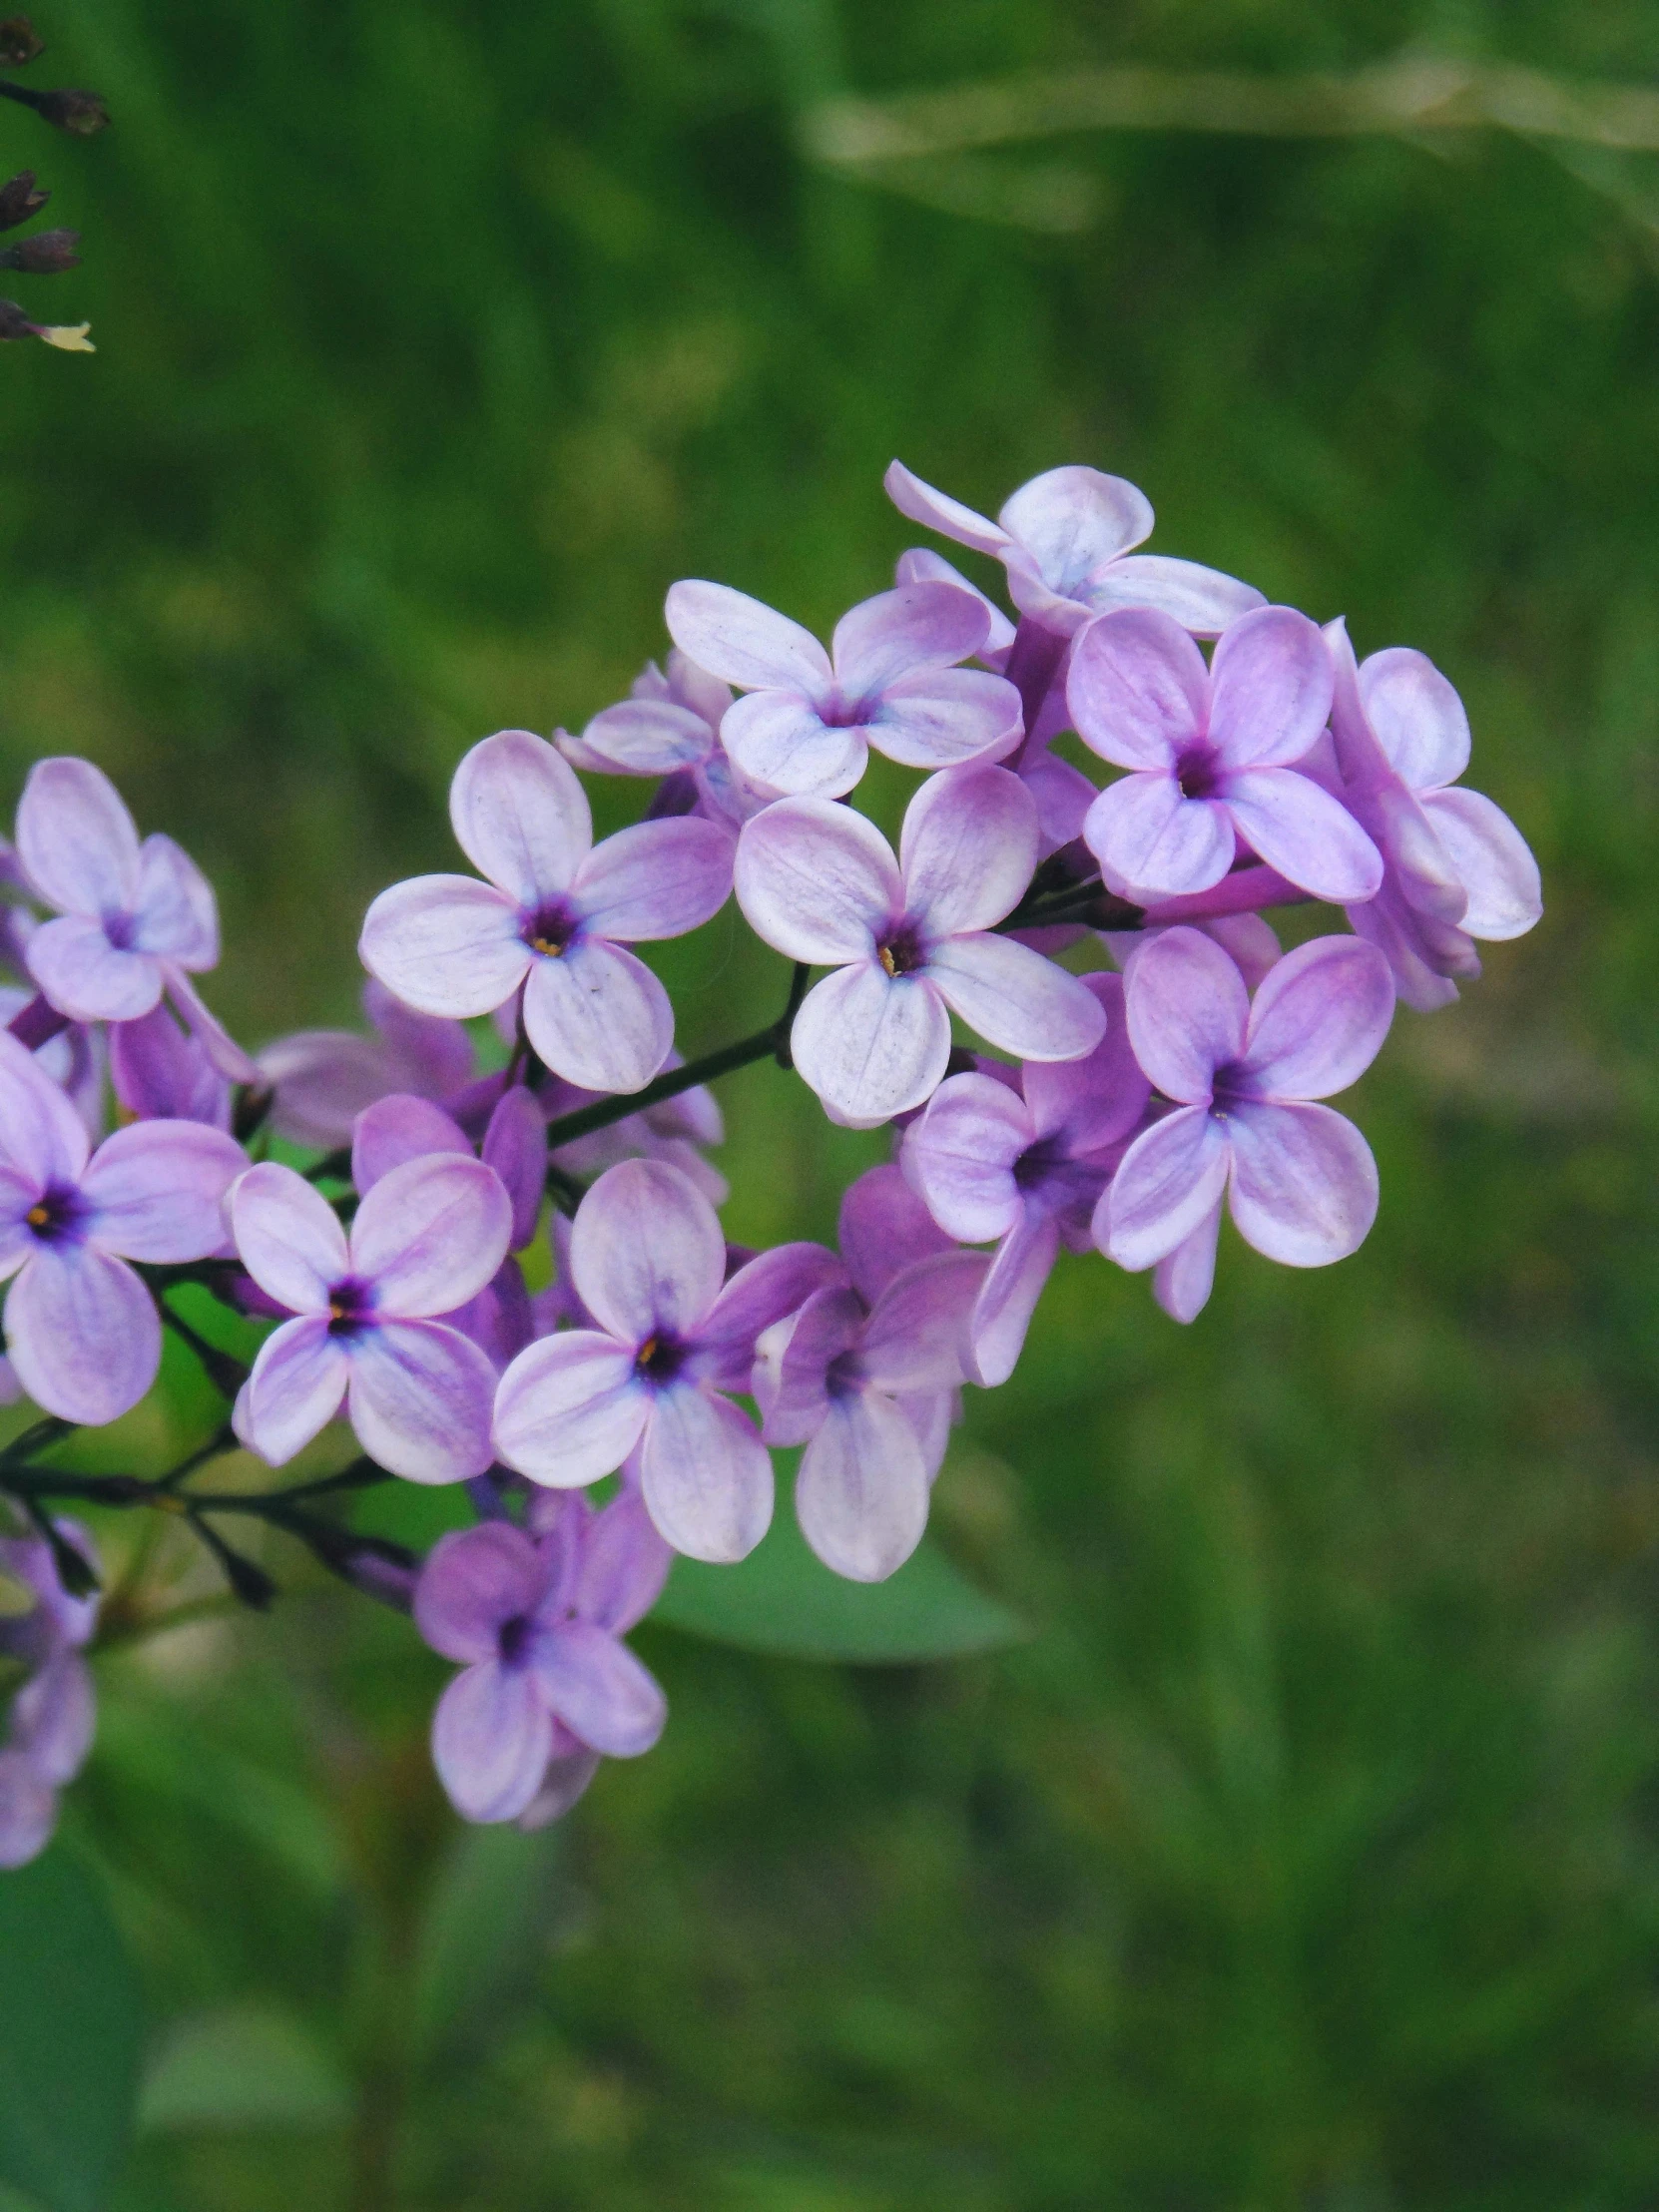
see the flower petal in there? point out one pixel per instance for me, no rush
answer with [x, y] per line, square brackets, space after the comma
[1271, 687]
[475, 1580]
[1072, 521]
[53, 1716]
[1185, 1277]
[520, 815]
[1202, 599]
[159, 1073]
[705, 1476]
[158, 1189]
[1417, 717]
[1171, 1177]
[570, 1408]
[515, 1146]
[288, 1235]
[780, 741]
[792, 1387]
[921, 565]
[1494, 862]
[177, 915]
[1009, 1296]
[645, 1252]
[595, 1015]
[916, 1338]
[623, 1565]
[744, 641]
[1138, 689]
[916, 626]
[445, 945]
[861, 1492]
[41, 1134]
[884, 1228]
[655, 879]
[1095, 1101]
[28, 1810]
[816, 882]
[596, 1686]
[491, 1737]
[960, 1155]
[945, 718]
[967, 849]
[774, 1284]
[421, 1397]
[77, 840]
[870, 1045]
[294, 1391]
[431, 1234]
[1016, 998]
[87, 978]
[1187, 1011]
[82, 1333]
[648, 737]
[1144, 832]
[1318, 1020]
[936, 511]
[1303, 1183]
[1303, 831]
[397, 1129]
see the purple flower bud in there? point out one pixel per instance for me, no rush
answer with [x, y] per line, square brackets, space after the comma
[47, 254]
[20, 198]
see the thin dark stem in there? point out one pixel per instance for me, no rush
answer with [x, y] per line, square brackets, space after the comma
[36, 1439]
[225, 1373]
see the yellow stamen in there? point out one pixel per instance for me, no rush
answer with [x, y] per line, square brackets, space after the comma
[541, 945]
[887, 960]
[37, 1217]
[647, 1352]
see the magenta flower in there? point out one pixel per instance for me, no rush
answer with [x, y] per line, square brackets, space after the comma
[1455, 868]
[668, 725]
[550, 917]
[1299, 1179]
[888, 681]
[324, 1078]
[909, 938]
[428, 1236]
[1025, 1167]
[133, 919]
[1066, 540]
[81, 1327]
[50, 1726]
[537, 1625]
[1209, 754]
[670, 1339]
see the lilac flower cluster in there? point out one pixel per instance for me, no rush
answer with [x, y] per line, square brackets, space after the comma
[496, 1252]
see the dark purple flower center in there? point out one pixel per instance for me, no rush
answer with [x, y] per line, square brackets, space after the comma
[57, 1214]
[350, 1306]
[1047, 1174]
[901, 950]
[120, 930]
[1198, 769]
[844, 1376]
[549, 928]
[512, 1639]
[660, 1359]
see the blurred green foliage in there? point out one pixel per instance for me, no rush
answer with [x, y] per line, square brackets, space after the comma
[1308, 1857]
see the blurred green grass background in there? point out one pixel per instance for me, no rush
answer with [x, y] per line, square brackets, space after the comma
[1309, 1855]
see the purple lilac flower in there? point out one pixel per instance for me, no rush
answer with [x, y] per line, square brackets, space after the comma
[921, 565]
[670, 1339]
[1455, 868]
[865, 1375]
[324, 1078]
[909, 938]
[1299, 1178]
[1066, 540]
[50, 1728]
[133, 921]
[81, 1327]
[549, 918]
[159, 1072]
[888, 681]
[74, 1059]
[547, 1684]
[1025, 1167]
[1209, 754]
[668, 725]
[428, 1236]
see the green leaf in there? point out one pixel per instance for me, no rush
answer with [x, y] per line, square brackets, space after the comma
[70, 2033]
[483, 1933]
[243, 2067]
[783, 1599]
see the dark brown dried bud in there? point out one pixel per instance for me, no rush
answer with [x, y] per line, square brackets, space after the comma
[20, 198]
[79, 113]
[47, 254]
[14, 323]
[20, 41]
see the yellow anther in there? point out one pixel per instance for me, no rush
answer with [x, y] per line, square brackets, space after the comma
[887, 960]
[37, 1217]
[541, 944]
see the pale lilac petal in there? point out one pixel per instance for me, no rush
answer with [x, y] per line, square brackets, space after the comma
[772, 1284]
[1184, 1278]
[595, 1685]
[288, 1235]
[1138, 689]
[399, 1129]
[520, 815]
[936, 511]
[597, 1015]
[445, 945]
[82, 1333]
[1009, 1296]
[491, 1736]
[862, 1492]
[41, 1134]
[160, 1073]
[77, 840]
[1505, 895]
[1398, 823]
[570, 1410]
[1269, 689]
[648, 737]
[622, 1567]
[705, 1476]
[28, 1810]
[946, 718]
[17, 1239]
[967, 849]
[1386, 922]
[1202, 599]
[1169, 1180]
[657, 879]
[916, 1338]
[1248, 941]
[1318, 1020]
[1017, 999]
[932, 1415]
[921, 565]
[1303, 1183]
[1072, 521]
[156, 1190]
[645, 1252]
[884, 1227]
[1187, 1011]
[515, 1146]
[53, 1716]
[324, 1078]
[294, 1391]
[87, 978]
[960, 1156]
[1300, 831]
[430, 1233]
[421, 1397]
[916, 626]
[872, 1045]
[1064, 795]
[796, 1397]
[780, 741]
[563, 1784]
[1144, 832]
[475, 1581]
[1097, 1100]
[743, 640]
[1417, 717]
[434, 1056]
[177, 915]
[816, 882]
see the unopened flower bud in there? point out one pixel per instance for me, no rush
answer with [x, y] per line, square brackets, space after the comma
[47, 254]
[20, 41]
[81, 114]
[20, 198]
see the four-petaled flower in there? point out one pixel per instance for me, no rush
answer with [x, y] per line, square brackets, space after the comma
[49, 1729]
[668, 725]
